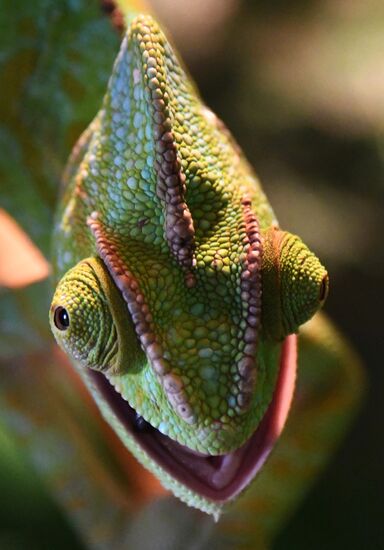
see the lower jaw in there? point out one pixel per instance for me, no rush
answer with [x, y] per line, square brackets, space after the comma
[219, 478]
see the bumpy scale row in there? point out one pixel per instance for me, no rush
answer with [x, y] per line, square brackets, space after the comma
[142, 319]
[179, 230]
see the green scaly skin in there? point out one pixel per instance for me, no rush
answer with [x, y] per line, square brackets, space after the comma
[175, 282]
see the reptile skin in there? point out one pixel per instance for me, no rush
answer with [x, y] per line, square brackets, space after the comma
[177, 290]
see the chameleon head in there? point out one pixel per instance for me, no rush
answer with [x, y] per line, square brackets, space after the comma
[179, 318]
[92, 323]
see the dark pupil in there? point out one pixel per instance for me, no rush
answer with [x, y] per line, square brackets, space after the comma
[323, 289]
[61, 318]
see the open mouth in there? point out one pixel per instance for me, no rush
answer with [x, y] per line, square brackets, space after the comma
[221, 477]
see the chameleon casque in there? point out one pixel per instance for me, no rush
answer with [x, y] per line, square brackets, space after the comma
[178, 291]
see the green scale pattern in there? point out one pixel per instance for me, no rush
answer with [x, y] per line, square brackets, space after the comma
[200, 329]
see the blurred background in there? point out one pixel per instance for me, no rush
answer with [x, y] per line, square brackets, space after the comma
[300, 83]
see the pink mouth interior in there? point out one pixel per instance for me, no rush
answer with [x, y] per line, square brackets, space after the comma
[222, 477]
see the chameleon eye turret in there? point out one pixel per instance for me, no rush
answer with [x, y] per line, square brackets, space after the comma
[295, 284]
[81, 317]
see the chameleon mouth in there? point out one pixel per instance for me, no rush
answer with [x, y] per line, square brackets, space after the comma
[216, 477]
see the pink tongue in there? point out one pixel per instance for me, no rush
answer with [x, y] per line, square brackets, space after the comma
[217, 471]
[227, 470]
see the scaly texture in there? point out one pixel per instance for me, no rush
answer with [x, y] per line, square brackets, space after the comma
[158, 189]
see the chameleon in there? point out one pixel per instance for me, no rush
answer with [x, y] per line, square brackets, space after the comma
[164, 234]
[178, 291]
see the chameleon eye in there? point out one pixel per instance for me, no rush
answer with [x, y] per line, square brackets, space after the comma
[323, 292]
[61, 318]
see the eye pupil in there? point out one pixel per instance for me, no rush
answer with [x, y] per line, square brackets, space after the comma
[323, 289]
[61, 318]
